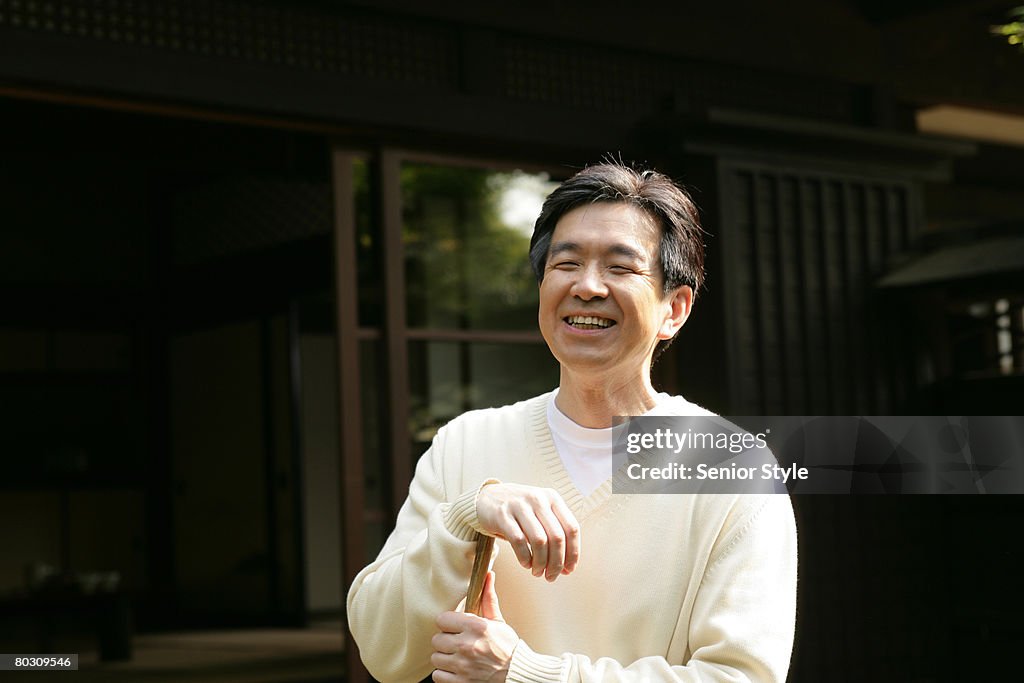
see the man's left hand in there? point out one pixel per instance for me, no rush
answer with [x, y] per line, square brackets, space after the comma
[472, 648]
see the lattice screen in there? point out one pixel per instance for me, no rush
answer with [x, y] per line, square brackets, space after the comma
[234, 215]
[403, 51]
[281, 36]
[621, 82]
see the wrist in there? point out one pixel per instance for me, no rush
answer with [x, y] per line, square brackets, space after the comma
[527, 666]
[460, 517]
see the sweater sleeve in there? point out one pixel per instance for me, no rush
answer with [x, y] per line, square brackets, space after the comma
[422, 571]
[742, 622]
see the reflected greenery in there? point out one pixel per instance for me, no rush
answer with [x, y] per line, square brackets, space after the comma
[1012, 31]
[449, 378]
[466, 246]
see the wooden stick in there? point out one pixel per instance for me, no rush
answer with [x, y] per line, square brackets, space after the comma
[475, 594]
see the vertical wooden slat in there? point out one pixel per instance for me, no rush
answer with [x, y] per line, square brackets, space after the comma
[769, 346]
[893, 224]
[737, 324]
[853, 224]
[349, 406]
[758, 399]
[889, 388]
[395, 338]
[801, 294]
[789, 264]
[903, 219]
[914, 211]
[894, 343]
[835, 306]
[842, 314]
[739, 291]
[816, 299]
[776, 371]
[874, 324]
[909, 333]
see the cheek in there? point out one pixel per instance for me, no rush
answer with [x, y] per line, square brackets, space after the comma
[546, 300]
[547, 306]
[551, 290]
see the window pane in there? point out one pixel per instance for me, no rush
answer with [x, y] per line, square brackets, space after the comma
[466, 233]
[449, 378]
[323, 492]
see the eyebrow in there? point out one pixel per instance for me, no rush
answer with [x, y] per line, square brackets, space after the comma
[561, 247]
[620, 249]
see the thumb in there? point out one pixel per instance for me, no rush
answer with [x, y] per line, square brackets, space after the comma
[489, 602]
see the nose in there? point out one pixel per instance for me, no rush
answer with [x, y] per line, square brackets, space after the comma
[589, 284]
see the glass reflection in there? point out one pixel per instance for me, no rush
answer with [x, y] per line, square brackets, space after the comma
[449, 378]
[466, 233]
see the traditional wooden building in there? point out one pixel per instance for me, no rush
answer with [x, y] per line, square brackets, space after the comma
[253, 253]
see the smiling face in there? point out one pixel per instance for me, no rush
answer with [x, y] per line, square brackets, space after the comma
[602, 307]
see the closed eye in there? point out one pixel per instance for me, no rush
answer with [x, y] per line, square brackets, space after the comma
[621, 269]
[565, 265]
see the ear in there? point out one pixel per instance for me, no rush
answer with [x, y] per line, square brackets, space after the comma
[679, 304]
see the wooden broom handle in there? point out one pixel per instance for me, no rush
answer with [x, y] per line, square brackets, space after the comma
[474, 596]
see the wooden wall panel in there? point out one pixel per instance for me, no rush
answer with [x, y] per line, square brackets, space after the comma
[802, 251]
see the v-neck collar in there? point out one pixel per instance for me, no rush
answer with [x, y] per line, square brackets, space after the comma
[544, 449]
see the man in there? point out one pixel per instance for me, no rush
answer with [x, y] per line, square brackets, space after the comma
[590, 585]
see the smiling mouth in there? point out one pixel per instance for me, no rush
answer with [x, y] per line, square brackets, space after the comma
[588, 322]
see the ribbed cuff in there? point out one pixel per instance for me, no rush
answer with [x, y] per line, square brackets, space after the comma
[460, 517]
[529, 667]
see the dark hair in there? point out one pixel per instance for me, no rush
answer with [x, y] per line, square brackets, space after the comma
[681, 252]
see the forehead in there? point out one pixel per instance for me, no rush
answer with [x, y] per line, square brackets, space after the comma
[602, 225]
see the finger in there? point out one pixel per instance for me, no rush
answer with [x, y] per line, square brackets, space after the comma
[440, 676]
[517, 538]
[573, 534]
[443, 662]
[453, 622]
[536, 536]
[555, 544]
[489, 604]
[444, 643]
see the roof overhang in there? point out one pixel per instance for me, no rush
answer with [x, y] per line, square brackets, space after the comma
[995, 257]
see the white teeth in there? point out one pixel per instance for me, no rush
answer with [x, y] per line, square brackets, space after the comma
[589, 320]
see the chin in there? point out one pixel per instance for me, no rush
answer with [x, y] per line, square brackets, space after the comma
[584, 363]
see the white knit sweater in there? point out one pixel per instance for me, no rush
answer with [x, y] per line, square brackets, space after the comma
[668, 587]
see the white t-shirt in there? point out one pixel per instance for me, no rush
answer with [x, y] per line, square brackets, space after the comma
[586, 453]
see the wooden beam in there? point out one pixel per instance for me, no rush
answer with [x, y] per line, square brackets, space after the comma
[350, 417]
[395, 335]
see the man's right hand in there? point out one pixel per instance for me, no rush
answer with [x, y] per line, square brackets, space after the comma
[536, 522]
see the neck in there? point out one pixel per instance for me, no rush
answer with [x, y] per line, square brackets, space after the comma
[592, 402]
